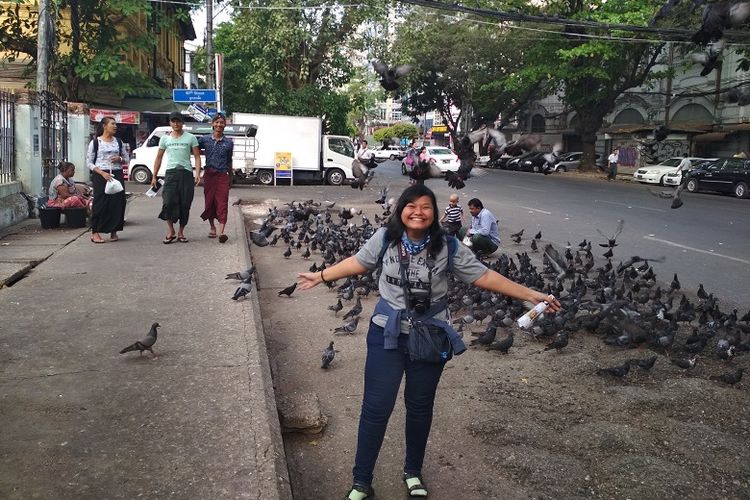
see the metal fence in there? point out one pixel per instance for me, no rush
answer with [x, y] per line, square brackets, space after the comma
[54, 134]
[7, 137]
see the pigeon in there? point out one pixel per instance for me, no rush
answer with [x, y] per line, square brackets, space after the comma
[244, 288]
[612, 241]
[502, 345]
[258, 239]
[561, 340]
[615, 371]
[685, 363]
[517, 235]
[487, 337]
[730, 378]
[675, 285]
[717, 16]
[736, 96]
[145, 344]
[288, 291]
[328, 354]
[674, 194]
[389, 77]
[242, 275]
[336, 307]
[288, 252]
[538, 236]
[644, 364]
[354, 311]
[709, 58]
[362, 175]
[348, 327]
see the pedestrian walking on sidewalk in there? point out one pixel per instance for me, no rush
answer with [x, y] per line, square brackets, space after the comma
[413, 255]
[105, 158]
[217, 176]
[179, 181]
[614, 159]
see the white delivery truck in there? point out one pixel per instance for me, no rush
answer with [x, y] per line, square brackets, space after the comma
[314, 156]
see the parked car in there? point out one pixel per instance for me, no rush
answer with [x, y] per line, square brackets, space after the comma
[482, 161]
[389, 153]
[533, 161]
[675, 178]
[726, 175]
[571, 161]
[655, 174]
[444, 158]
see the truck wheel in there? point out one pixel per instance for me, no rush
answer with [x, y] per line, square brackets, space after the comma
[265, 177]
[403, 168]
[562, 168]
[141, 174]
[661, 181]
[692, 185]
[740, 190]
[335, 177]
[393, 157]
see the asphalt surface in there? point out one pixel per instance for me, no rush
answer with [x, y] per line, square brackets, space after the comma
[706, 241]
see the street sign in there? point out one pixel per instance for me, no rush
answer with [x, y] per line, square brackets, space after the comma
[198, 112]
[194, 95]
[283, 168]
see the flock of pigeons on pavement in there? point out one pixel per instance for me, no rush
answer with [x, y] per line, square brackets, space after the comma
[616, 299]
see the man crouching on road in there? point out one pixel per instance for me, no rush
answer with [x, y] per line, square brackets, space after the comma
[484, 233]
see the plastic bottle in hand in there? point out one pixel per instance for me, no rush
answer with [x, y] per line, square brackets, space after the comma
[531, 315]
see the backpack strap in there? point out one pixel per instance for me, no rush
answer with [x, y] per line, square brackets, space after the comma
[96, 147]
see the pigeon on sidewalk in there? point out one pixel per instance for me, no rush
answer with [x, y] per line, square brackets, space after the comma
[244, 288]
[242, 275]
[288, 291]
[348, 327]
[145, 344]
[328, 354]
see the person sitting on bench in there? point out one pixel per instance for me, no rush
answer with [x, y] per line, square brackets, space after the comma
[63, 191]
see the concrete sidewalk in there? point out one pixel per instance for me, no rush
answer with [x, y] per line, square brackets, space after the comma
[80, 420]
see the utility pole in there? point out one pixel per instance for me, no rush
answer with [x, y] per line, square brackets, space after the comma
[44, 35]
[210, 80]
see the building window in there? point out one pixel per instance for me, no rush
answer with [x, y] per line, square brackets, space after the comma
[537, 123]
[396, 115]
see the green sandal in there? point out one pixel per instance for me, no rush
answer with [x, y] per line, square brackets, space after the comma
[416, 486]
[360, 492]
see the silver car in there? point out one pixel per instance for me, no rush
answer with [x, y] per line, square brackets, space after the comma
[571, 161]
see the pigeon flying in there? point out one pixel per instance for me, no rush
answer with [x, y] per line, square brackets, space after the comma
[389, 77]
[145, 344]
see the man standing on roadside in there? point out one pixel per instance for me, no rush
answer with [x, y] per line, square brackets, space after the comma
[179, 181]
[365, 155]
[484, 233]
[217, 176]
[613, 159]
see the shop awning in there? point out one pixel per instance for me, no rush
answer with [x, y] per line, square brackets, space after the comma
[736, 126]
[711, 137]
[627, 128]
[152, 105]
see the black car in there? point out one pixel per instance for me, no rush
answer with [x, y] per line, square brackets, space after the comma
[726, 175]
[533, 161]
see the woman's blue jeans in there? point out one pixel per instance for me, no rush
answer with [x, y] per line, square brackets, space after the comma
[383, 373]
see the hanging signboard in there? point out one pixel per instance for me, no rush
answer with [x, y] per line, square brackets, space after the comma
[120, 116]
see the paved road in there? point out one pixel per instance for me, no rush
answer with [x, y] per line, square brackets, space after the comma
[706, 241]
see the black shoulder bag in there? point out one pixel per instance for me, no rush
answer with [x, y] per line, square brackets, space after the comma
[427, 342]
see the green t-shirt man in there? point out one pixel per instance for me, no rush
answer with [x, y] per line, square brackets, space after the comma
[178, 150]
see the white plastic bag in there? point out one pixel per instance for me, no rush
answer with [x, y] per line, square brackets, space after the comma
[113, 186]
[467, 241]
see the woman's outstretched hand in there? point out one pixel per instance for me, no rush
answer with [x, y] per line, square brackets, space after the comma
[554, 304]
[305, 281]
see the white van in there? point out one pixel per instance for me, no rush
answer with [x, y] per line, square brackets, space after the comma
[142, 159]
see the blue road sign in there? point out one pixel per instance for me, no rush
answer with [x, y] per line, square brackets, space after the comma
[194, 95]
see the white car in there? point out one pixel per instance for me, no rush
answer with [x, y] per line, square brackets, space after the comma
[388, 153]
[656, 174]
[675, 178]
[444, 158]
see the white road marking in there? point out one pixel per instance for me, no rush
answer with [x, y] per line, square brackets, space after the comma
[536, 210]
[630, 206]
[707, 252]
[527, 188]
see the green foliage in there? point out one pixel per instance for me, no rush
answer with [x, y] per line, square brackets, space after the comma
[291, 61]
[401, 130]
[89, 49]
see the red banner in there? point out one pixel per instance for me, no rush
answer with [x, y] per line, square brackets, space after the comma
[120, 116]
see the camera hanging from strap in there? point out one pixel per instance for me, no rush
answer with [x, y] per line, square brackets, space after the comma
[414, 304]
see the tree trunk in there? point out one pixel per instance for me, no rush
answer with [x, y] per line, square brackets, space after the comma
[587, 129]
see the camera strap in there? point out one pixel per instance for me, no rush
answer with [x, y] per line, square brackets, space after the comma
[404, 259]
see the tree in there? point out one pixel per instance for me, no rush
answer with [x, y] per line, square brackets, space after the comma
[292, 60]
[90, 49]
[592, 73]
